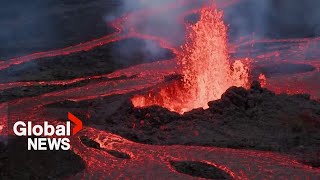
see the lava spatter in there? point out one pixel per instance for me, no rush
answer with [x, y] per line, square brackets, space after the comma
[206, 69]
[177, 93]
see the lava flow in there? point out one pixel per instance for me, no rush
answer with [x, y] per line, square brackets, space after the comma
[202, 71]
[206, 69]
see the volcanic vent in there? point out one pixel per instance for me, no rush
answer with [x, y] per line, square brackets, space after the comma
[205, 65]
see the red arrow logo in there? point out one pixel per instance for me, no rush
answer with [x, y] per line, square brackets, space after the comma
[76, 121]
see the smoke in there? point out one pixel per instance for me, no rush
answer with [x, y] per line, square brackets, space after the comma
[248, 17]
[253, 18]
[274, 18]
[161, 19]
[42, 25]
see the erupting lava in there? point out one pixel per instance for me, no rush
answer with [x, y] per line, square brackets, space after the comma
[205, 65]
[206, 72]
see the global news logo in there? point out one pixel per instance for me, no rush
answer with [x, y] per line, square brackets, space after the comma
[46, 136]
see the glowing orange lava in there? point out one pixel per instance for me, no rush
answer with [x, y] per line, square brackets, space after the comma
[263, 80]
[206, 69]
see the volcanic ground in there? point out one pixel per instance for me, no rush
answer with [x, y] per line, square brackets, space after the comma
[269, 132]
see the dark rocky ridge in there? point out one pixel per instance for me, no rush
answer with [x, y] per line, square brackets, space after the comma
[256, 119]
[247, 119]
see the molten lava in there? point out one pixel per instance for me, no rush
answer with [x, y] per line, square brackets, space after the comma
[263, 80]
[206, 73]
[205, 65]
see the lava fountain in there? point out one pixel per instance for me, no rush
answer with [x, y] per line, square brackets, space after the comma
[206, 68]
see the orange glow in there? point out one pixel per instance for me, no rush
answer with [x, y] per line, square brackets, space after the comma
[263, 80]
[205, 65]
